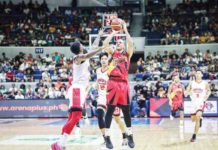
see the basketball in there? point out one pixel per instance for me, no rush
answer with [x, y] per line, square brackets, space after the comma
[116, 24]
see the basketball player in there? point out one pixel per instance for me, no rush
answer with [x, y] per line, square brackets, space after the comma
[117, 86]
[102, 78]
[199, 92]
[175, 96]
[77, 92]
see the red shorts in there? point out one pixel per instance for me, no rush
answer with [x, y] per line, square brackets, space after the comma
[177, 104]
[117, 92]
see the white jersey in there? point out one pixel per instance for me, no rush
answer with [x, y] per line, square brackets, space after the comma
[198, 90]
[81, 73]
[78, 90]
[197, 94]
[102, 78]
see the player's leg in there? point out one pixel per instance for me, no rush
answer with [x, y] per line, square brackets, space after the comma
[78, 130]
[108, 119]
[197, 125]
[101, 121]
[181, 116]
[123, 102]
[127, 120]
[173, 114]
[75, 113]
[112, 97]
[121, 125]
[74, 118]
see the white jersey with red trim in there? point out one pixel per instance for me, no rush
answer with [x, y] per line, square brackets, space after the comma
[102, 78]
[78, 90]
[81, 74]
[197, 94]
[198, 90]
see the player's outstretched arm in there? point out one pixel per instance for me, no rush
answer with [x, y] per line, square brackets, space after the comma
[130, 48]
[97, 40]
[106, 42]
[82, 57]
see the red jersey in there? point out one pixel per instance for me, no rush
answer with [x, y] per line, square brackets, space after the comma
[121, 66]
[178, 89]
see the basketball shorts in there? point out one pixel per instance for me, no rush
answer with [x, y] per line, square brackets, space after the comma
[77, 96]
[197, 105]
[118, 93]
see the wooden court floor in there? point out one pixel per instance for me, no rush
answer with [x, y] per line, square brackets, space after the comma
[149, 134]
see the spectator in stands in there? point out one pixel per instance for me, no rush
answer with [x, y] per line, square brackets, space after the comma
[58, 85]
[48, 59]
[13, 88]
[46, 76]
[185, 54]
[19, 77]
[29, 92]
[214, 90]
[140, 63]
[2, 76]
[207, 56]
[158, 57]
[137, 87]
[149, 57]
[51, 92]
[10, 76]
[165, 55]
[198, 56]
[141, 104]
[29, 74]
[3, 89]
[19, 95]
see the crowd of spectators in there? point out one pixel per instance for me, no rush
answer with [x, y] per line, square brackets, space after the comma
[163, 66]
[190, 22]
[33, 24]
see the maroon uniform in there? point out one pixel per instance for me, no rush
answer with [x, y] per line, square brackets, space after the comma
[117, 86]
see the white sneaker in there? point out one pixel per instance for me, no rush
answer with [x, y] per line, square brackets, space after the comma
[78, 132]
[171, 117]
[124, 145]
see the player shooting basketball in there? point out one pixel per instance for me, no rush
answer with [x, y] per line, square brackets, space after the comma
[117, 86]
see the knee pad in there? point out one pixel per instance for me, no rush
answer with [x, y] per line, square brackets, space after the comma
[101, 122]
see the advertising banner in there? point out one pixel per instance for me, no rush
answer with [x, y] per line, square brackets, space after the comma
[33, 108]
[160, 107]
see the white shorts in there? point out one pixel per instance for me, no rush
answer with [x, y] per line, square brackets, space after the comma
[77, 95]
[102, 101]
[197, 105]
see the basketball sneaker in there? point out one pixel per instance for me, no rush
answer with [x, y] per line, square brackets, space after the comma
[124, 145]
[171, 117]
[78, 132]
[130, 141]
[193, 139]
[56, 146]
[108, 142]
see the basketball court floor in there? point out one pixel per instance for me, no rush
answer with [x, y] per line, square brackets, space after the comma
[149, 134]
